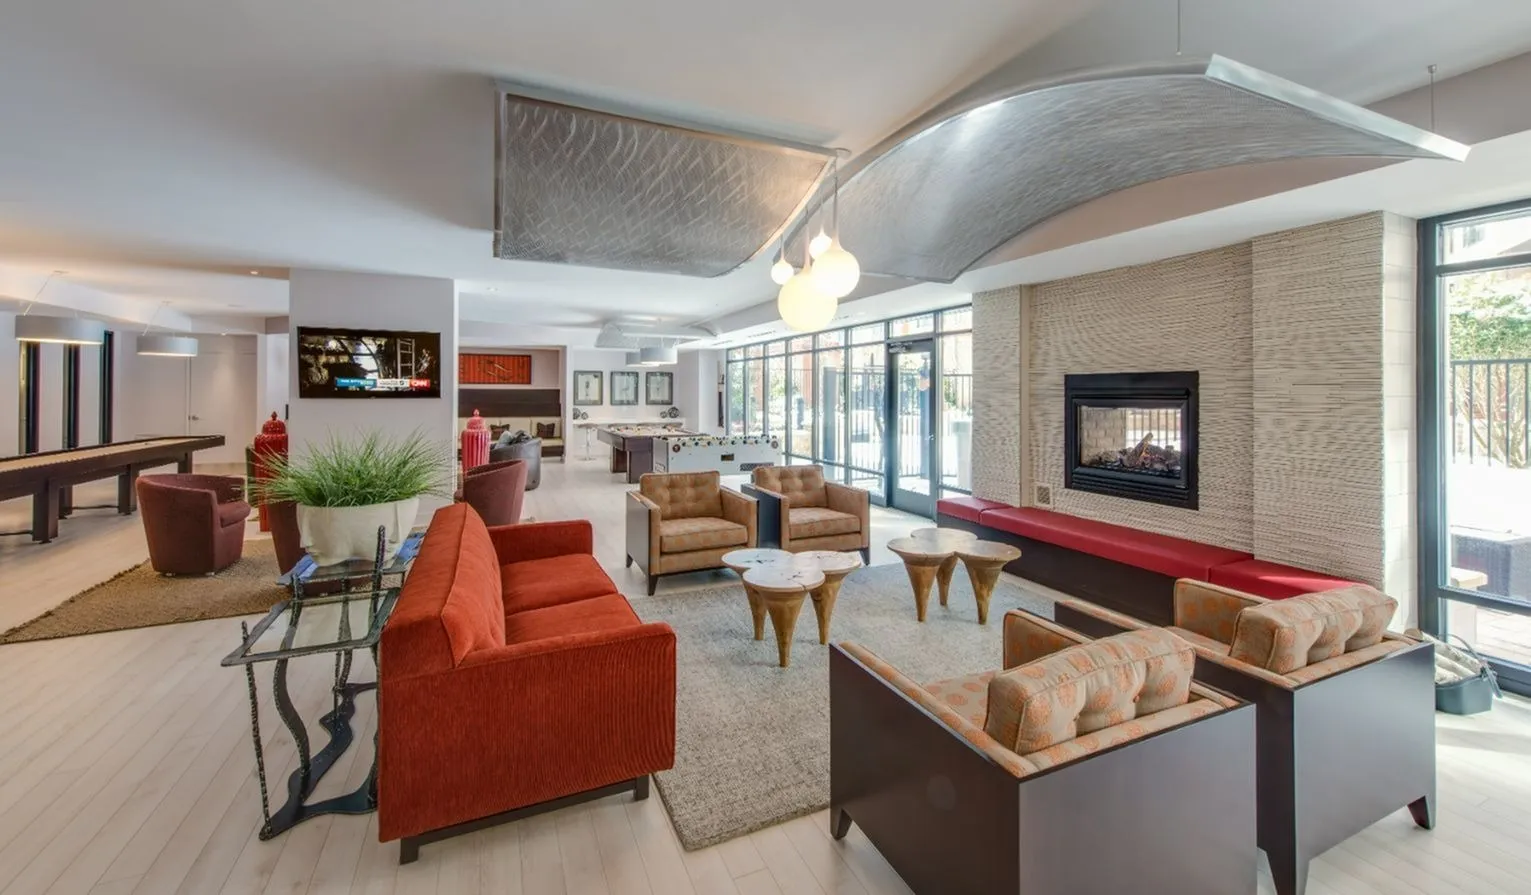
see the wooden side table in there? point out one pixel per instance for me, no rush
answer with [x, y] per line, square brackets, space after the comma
[984, 561]
[835, 566]
[924, 560]
[949, 539]
[779, 590]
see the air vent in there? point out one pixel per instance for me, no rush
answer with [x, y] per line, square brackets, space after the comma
[1044, 496]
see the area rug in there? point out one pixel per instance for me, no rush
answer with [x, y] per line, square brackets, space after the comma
[141, 598]
[752, 739]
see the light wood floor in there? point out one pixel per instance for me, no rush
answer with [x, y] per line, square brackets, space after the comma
[126, 767]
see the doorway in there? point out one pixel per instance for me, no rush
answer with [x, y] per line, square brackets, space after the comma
[912, 459]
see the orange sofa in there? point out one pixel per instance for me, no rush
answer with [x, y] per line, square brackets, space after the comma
[513, 678]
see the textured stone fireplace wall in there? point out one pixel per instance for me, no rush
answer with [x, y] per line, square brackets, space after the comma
[1305, 344]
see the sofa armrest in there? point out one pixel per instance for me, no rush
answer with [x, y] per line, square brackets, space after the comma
[1209, 609]
[643, 539]
[856, 501]
[774, 511]
[541, 540]
[741, 510]
[1029, 638]
[523, 723]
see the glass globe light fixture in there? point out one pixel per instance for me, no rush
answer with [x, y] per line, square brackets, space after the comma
[782, 271]
[803, 305]
[836, 272]
[819, 244]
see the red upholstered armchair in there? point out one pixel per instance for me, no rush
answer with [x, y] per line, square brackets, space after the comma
[195, 524]
[496, 491]
[513, 678]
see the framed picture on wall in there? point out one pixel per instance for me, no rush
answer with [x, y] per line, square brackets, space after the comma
[589, 388]
[659, 388]
[624, 388]
[494, 369]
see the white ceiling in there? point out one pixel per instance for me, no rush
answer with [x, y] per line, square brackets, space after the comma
[162, 149]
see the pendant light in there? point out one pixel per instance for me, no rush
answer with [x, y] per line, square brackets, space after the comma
[164, 345]
[658, 357]
[782, 270]
[836, 271]
[802, 304]
[74, 330]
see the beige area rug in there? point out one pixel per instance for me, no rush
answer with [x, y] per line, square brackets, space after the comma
[141, 598]
[752, 739]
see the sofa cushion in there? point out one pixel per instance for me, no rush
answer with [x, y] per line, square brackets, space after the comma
[684, 495]
[1273, 580]
[820, 522]
[1175, 557]
[803, 486]
[597, 614]
[536, 583]
[700, 533]
[450, 605]
[966, 694]
[1285, 635]
[1377, 610]
[1089, 687]
[968, 508]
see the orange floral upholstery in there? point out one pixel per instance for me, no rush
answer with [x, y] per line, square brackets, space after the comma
[699, 533]
[1119, 734]
[1285, 635]
[820, 522]
[1088, 687]
[802, 486]
[1029, 638]
[1210, 610]
[1321, 670]
[684, 495]
[1377, 610]
[967, 695]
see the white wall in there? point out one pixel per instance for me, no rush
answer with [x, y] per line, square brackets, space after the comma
[375, 301]
[273, 356]
[696, 389]
[607, 360]
[50, 428]
[158, 395]
[10, 372]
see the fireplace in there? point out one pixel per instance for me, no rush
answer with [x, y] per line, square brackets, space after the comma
[1132, 435]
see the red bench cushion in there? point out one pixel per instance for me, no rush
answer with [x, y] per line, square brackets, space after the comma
[969, 508]
[1175, 557]
[1272, 580]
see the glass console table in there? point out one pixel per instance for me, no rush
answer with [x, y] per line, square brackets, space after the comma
[339, 624]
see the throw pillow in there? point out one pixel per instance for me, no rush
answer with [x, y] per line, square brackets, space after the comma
[1285, 635]
[546, 430]
[1377, 610]
[1088, 687]
[503, 436]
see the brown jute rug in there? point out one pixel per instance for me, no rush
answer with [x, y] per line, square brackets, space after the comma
[141, 598]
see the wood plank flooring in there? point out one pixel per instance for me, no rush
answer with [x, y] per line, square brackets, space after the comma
[126, 767]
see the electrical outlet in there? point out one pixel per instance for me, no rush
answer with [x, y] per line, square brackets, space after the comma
[1044, 496]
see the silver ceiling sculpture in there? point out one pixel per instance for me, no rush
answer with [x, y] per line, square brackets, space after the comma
[580, 186]
[934, 199]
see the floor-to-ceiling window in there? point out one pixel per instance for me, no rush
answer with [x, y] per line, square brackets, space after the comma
[1475, 446]
[885, 406]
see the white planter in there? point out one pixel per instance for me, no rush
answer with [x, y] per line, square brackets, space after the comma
[337, 534]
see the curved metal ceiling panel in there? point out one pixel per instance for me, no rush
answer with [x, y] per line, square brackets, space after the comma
[930, 202]
[579, 186]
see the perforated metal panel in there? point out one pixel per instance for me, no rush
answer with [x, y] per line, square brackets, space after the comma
[931, 202]
[584, 187]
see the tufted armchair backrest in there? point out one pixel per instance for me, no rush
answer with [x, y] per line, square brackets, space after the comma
[803, 486]
[684, 495]
[1089, 687]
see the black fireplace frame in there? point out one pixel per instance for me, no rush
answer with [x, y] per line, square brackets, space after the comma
[1136, 390]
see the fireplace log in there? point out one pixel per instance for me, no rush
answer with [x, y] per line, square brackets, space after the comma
[1134, 457]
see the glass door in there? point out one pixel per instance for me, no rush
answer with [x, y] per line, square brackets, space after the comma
[912, 448]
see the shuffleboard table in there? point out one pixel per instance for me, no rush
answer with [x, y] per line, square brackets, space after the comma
[632, 447]
[47, 476]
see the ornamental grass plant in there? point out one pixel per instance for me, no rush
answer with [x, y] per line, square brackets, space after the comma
[357, 472]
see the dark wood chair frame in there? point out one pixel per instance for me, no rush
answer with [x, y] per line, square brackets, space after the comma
[1138, 592]
[1335, 755]
[1169, 812]
[769, 519]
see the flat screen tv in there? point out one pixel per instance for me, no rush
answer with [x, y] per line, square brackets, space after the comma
[368, 363]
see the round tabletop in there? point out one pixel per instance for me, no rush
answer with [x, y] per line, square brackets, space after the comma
[923, 548]
[830, 562]
[946, 538]
[989, 550]
[754, 557]
[783, 579]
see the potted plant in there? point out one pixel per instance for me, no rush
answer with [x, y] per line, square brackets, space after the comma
[346, 489]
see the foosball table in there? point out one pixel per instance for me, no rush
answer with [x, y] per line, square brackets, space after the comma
[728, 454]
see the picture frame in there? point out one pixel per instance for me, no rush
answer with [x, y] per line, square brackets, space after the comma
[589, 388]
[659, 388]
[624, 388]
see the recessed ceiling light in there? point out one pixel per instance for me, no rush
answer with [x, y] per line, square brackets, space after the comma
[254, 273]
[491, 289]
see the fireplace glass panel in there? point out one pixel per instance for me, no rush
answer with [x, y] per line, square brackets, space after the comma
[1136, 440]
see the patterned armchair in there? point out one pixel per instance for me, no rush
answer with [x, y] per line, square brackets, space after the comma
[1081, 766]
[685, 521]
[1346, 709]
[800, 511]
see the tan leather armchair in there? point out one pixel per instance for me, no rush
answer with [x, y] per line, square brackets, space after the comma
[799, 511]
[685, 521]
